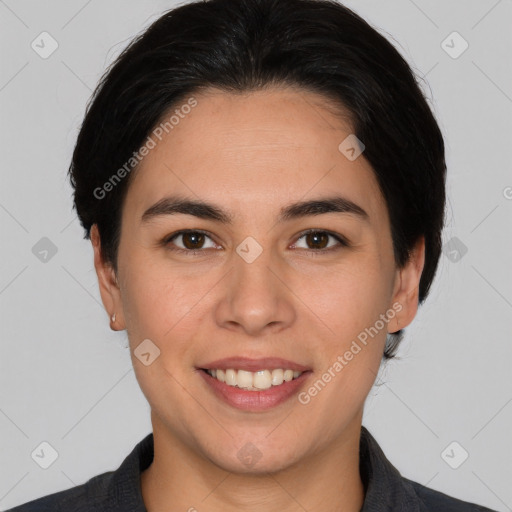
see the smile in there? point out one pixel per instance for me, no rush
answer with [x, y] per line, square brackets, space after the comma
[254, 381]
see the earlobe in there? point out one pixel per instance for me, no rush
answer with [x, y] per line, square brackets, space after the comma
[108, 283]
[407, 290]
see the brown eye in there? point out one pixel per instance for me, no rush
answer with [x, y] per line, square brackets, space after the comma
[318, 239]
[193, 240]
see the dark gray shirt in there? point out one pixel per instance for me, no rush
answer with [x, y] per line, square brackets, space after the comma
[120, 491]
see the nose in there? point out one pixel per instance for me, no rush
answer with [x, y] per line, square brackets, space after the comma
[256, 298]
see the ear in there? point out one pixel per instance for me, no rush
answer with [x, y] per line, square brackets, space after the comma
[108, 283]
[406, 290]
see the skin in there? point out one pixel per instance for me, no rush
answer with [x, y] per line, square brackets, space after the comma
[253, 154]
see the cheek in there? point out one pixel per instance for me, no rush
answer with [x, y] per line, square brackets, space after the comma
[151, 291]
[163, 304]
[347, 298]
[351, 336]
[146, 302]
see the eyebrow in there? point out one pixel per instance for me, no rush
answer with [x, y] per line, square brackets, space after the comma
[180, 205]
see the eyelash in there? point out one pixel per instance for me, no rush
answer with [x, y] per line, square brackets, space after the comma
[343, 243]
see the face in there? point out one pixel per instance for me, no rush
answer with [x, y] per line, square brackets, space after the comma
[247, 281]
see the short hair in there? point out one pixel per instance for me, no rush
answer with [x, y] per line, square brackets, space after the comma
[240, 46]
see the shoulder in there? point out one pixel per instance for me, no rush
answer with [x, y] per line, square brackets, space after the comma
[87, 497]
[113, 491]
[388, 489]
[440, 502]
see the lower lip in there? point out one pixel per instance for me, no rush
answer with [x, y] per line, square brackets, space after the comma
[254, 400]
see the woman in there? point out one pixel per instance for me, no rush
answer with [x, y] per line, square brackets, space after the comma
[263, 184]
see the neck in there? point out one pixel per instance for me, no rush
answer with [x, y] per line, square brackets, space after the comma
[328, 481]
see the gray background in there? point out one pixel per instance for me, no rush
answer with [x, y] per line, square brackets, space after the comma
[66, 378]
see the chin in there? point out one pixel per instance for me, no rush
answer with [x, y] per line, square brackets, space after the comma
[257, 458]
[258, 466]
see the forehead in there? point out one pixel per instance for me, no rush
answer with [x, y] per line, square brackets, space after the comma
[255, 151]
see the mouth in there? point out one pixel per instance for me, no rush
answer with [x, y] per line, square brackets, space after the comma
[254, 385]
[253, 381]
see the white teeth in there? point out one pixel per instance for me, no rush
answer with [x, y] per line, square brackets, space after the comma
[244, 379]
[277, 377]
[254, 381]
[230, 377]
[262, 379]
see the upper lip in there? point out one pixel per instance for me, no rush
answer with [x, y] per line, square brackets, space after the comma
[254, 365]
